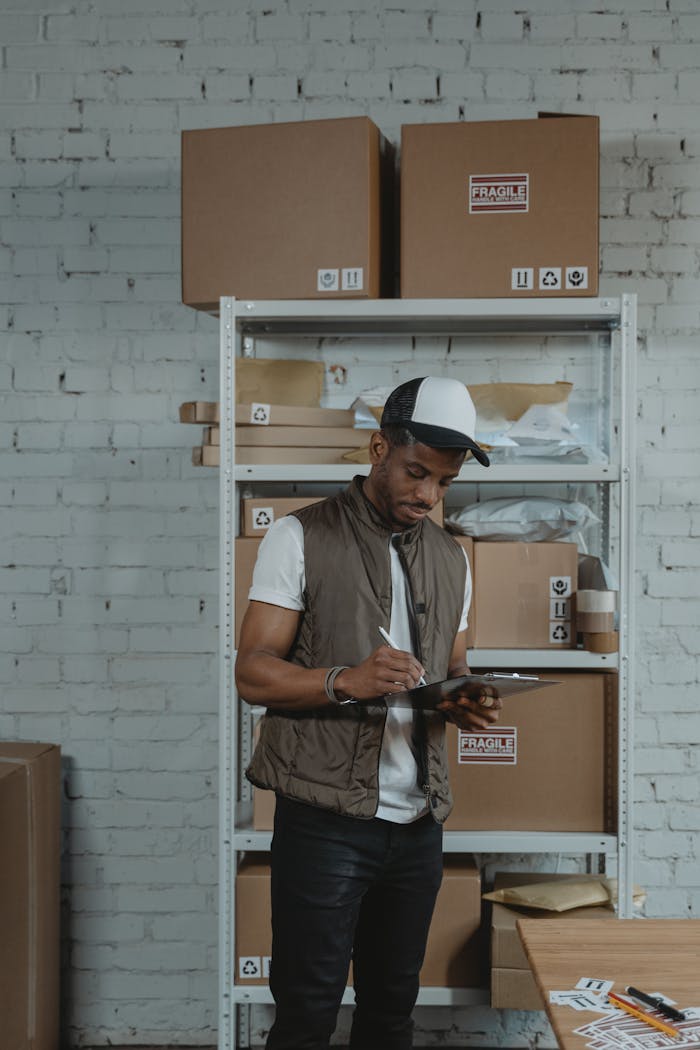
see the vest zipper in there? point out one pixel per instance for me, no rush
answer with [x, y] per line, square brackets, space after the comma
[419, 717]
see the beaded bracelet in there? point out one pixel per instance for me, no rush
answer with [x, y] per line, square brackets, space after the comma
[331, 675]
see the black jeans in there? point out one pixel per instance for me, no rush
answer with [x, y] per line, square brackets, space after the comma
[342, 887]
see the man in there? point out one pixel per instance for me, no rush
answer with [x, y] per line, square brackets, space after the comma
[361, 782]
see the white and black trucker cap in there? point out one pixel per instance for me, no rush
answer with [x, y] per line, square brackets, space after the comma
[438, 412]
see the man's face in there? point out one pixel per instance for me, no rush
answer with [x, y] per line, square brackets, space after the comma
[407, 481]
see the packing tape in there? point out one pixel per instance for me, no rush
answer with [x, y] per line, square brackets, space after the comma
[32, 918]
[594, 621]
[602, 642]
[595, 601]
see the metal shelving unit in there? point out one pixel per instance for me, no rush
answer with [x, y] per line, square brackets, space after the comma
[613, 319]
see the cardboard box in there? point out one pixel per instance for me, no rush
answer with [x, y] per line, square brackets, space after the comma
[513, 985]
[456, 953]
[547, 765]
[262, 414]
[468, 544]
[210, 455]
[514, 990]
[245, 553]
[199, 412]
[283, 211]
[30, 801]
[313, 437]
[524, 595]
[506, 947]
[290, 454]
[253, 923]
[500, 209]
[454, 957]
[258, 514]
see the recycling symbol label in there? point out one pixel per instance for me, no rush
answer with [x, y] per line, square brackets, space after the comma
[550, 278]
[559, 633]
[249, 967]
[260, 414]
[263, 517]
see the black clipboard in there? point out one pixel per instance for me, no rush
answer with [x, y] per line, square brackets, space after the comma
[493, 683]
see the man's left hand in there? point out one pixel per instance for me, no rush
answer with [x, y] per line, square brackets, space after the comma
[472, 714]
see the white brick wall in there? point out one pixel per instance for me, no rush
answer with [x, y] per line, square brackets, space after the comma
[108, 631]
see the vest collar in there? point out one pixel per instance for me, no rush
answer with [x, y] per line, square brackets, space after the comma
[368, 513]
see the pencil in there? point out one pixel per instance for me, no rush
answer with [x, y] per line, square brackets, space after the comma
[642, 1015]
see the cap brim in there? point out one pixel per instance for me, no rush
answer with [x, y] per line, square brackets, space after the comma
[442, 437]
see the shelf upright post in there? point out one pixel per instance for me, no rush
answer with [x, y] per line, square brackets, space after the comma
[227, 749]
[628, 413]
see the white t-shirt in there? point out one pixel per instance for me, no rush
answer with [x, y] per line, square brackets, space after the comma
[279, 578]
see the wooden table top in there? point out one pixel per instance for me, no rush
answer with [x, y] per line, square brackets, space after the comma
[655, 955]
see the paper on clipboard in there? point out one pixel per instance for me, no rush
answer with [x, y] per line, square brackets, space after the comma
[472, 685]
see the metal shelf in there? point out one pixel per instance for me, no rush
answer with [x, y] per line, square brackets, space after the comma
[343, 472]
[614, 319]
[564, 659]
[479, 841]
[426, 996]
[319, 317]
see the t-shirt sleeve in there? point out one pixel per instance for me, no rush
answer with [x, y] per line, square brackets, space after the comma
[464, 621]
[279, 576]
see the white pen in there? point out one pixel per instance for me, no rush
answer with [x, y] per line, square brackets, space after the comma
[390, 641]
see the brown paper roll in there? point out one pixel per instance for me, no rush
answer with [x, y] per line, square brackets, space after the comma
[594, 621]
[601, 641]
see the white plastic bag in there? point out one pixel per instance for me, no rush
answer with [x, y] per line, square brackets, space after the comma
[525, 519]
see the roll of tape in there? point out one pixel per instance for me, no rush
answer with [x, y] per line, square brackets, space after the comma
[594, 621]
[602, 642]
[595, 601]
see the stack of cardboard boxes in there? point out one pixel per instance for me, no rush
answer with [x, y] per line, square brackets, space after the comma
[305, 210]
[270, 433]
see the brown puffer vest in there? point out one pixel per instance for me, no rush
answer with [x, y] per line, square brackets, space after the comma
[329, 757]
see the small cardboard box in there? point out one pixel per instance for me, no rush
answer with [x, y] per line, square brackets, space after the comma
[257, 514]
[500, 209]
[512, 984]
[514, 990]
[263, 414]
[524, 594]
[456, 953]
[30, 805]
[283, 211]
[468, 544]
[313, 437]
[253, 922]
[245, 553]
[546, 765]
[255, 455]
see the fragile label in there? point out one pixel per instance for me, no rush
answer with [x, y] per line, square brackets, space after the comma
[352, 279]
[498, 193]
[327, 280]
[522, 279]
[495, 746]
[576, 277]
[559, 586]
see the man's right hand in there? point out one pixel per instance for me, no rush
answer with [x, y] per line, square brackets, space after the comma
[386, 670]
